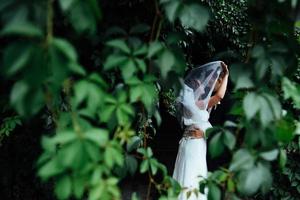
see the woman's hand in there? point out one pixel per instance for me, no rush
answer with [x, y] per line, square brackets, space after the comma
[225, 69]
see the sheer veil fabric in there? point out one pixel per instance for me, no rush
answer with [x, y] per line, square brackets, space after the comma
[192, 104]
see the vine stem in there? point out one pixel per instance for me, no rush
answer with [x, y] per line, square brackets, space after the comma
[49, 22]
[47, 42]
[149, 186]
[157, 15]
[156, 25]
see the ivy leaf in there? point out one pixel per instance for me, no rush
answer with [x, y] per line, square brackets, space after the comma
[154, 48]
[258, 51]
[282, 158]
[275, 105]
[119, 44]
[144, 166]
[266, 114]
[251, 105]
[242, 160]
[50, 168]
[83, 16]
[214, 192]
[16, 57]
[66, 48]
[284, 131]
[98, 136]
[167, 60]
[153, 165]
[229, 139]
[261, 67]
[194, 16]
[113, 61]
[66, 4]
[63, 187]
[21, 28]
[215, 146]
[128, 68]
[131, 164]
[172, 9]
[250, 180]
[269, 155]
[133, 143]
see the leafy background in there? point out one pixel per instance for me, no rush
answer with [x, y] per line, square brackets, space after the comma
[88, 89]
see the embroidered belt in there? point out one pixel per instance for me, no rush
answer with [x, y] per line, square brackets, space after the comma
[193, 132]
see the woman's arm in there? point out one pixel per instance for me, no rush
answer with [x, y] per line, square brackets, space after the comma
[219, 95]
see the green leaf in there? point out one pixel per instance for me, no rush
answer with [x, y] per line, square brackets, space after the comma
[154, 48]
[240, 75]
[291, 90]
[167, 60]
[215, 146]
[282, 158]
[214, 192]
[242, 160]
[275, 105]
[257, 177]
[258, 51]
[278, 65]
[112, 156]
[98, 136]
[144, 166]
[16, 57]
[243, 81]
[266, 114]
[269, 155]
[133, 143]
[83, 17]
[251, 105]
[128, 68]
[261, 67]
[107, 112]
[119, 44]
[92, 150]
[21, 28]
[230, 185]
[131, 164]
[284, 131]
[114, 61]
[229, 140]
[63, 187]
[70, 153]
[78, 187]
[66, 4]
[50, 169]
[194, 16]
[65, 48]
[172, 9]
[141, 64]
[64, 137]
[76, 68]
[97, 191]
[26, 100]
[149, 152]
[249, 181]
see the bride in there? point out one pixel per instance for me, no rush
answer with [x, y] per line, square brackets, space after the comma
[195, 102]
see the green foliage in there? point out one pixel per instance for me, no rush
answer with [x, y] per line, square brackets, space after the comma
[187, 13]
[99, 135]
[8, 125]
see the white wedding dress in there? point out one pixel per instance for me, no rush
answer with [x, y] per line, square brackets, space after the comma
[190, 166]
